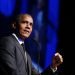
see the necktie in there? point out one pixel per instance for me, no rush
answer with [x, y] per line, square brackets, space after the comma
[23, 46]
[24, 51]
[25, 56]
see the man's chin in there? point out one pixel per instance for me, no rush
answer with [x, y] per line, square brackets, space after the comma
[26, 36]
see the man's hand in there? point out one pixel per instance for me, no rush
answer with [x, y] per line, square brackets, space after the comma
[57, 60]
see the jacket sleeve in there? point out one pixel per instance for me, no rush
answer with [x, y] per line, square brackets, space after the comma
[48, 71]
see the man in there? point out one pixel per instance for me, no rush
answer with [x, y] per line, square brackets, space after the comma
[14, 60]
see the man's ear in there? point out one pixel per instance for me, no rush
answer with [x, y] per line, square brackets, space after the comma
[14, 25]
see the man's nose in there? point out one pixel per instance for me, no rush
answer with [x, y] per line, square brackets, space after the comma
[28, 26]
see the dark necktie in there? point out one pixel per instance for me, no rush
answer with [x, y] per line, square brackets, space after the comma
[25, 57]
[23, 46]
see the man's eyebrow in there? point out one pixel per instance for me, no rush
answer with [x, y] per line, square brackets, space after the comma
[31, 23]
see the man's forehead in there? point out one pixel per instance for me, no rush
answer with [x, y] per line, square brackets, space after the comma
[22, 17]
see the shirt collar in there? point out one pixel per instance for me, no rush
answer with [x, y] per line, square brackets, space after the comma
[19, 40]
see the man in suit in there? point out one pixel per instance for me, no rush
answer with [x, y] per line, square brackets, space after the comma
[14, 60]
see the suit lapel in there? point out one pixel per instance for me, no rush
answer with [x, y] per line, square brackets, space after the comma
[23, 54]
[19, 47]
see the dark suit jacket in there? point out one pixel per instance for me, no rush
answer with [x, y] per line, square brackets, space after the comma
[12, 58]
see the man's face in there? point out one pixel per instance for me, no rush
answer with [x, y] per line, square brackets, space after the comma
[25, 25]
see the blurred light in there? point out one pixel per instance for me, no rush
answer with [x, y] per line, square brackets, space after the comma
[51, 45]
[37, 67]
[7, 7]
[24, 6]
[53, 12]
[53, 17]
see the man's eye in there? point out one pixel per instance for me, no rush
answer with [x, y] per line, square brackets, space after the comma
[24, 22]
[31, 24]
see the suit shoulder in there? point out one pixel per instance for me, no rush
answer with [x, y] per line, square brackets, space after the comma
[6, 39]
[7, 43]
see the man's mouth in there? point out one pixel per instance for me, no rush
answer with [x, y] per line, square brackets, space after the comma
[26, 31]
